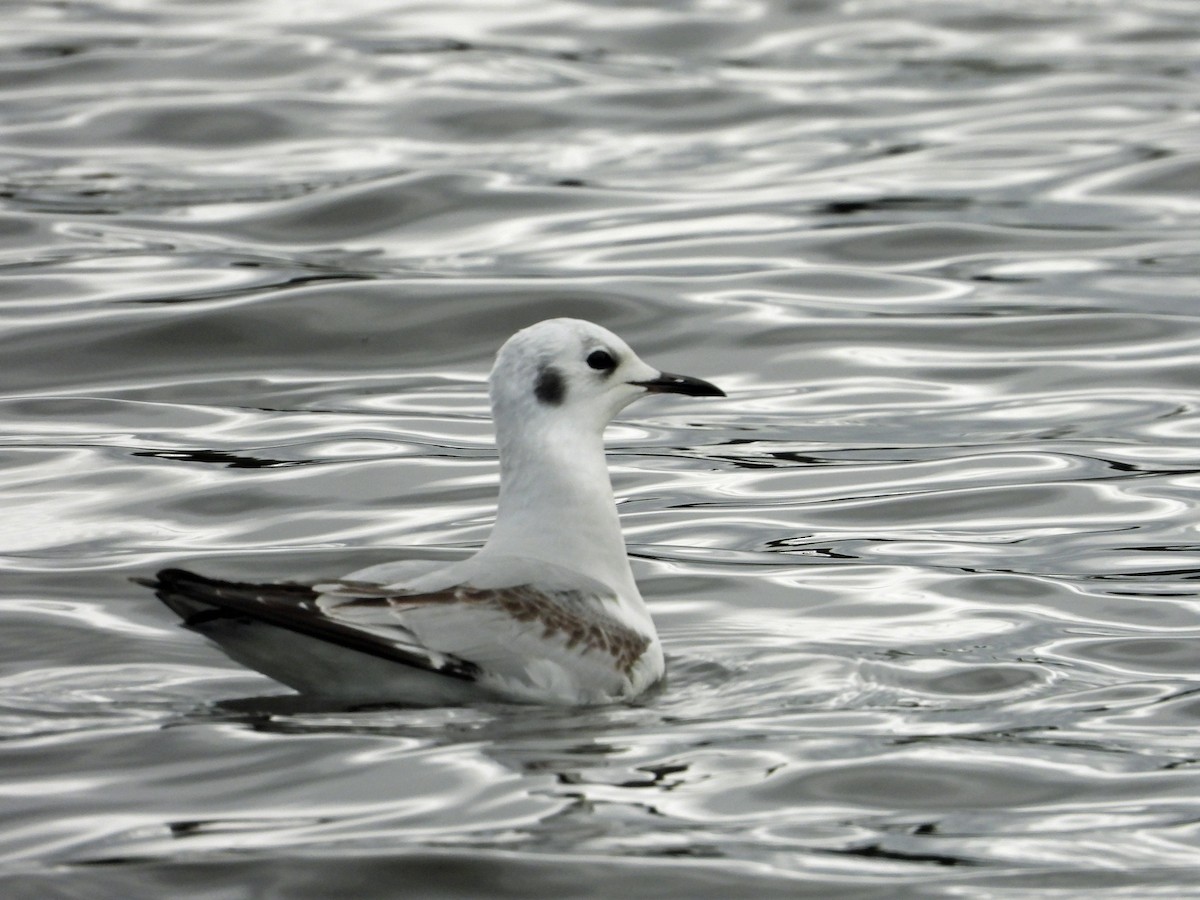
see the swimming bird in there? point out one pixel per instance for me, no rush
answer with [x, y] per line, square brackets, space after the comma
[547, 611]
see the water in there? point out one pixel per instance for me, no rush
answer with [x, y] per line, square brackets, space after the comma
[926, 580]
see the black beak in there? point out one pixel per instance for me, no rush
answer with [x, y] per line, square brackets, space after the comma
[666, 383]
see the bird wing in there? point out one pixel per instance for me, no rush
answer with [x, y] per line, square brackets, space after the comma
[525, 639]
[519, 640]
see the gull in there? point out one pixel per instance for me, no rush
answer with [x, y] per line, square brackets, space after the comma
[547, 611]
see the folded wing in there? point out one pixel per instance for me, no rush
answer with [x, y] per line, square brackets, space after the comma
[517, 642]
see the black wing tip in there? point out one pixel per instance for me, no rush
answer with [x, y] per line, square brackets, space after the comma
[182, 581]
[167, 578]
[173, 573]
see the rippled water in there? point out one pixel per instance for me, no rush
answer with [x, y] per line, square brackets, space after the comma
[927, 579]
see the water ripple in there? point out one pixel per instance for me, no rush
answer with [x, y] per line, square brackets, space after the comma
[926, 579]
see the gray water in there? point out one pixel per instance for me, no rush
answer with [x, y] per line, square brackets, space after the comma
[927, 579]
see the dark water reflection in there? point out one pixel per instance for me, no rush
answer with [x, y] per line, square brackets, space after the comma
[927, 579]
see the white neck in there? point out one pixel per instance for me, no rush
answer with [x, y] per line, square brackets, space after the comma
[556, 503]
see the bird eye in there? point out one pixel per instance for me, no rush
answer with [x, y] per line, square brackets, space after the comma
[601, 359]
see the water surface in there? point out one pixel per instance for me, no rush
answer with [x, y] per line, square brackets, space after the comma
[926, 579]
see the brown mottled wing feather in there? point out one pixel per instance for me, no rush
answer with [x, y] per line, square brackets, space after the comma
[490, 625]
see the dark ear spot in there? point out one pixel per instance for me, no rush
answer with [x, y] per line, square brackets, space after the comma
[550, 387]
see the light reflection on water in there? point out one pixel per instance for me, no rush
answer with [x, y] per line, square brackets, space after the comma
[926, 580]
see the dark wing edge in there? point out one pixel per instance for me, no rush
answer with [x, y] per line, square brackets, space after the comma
[200, 600]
